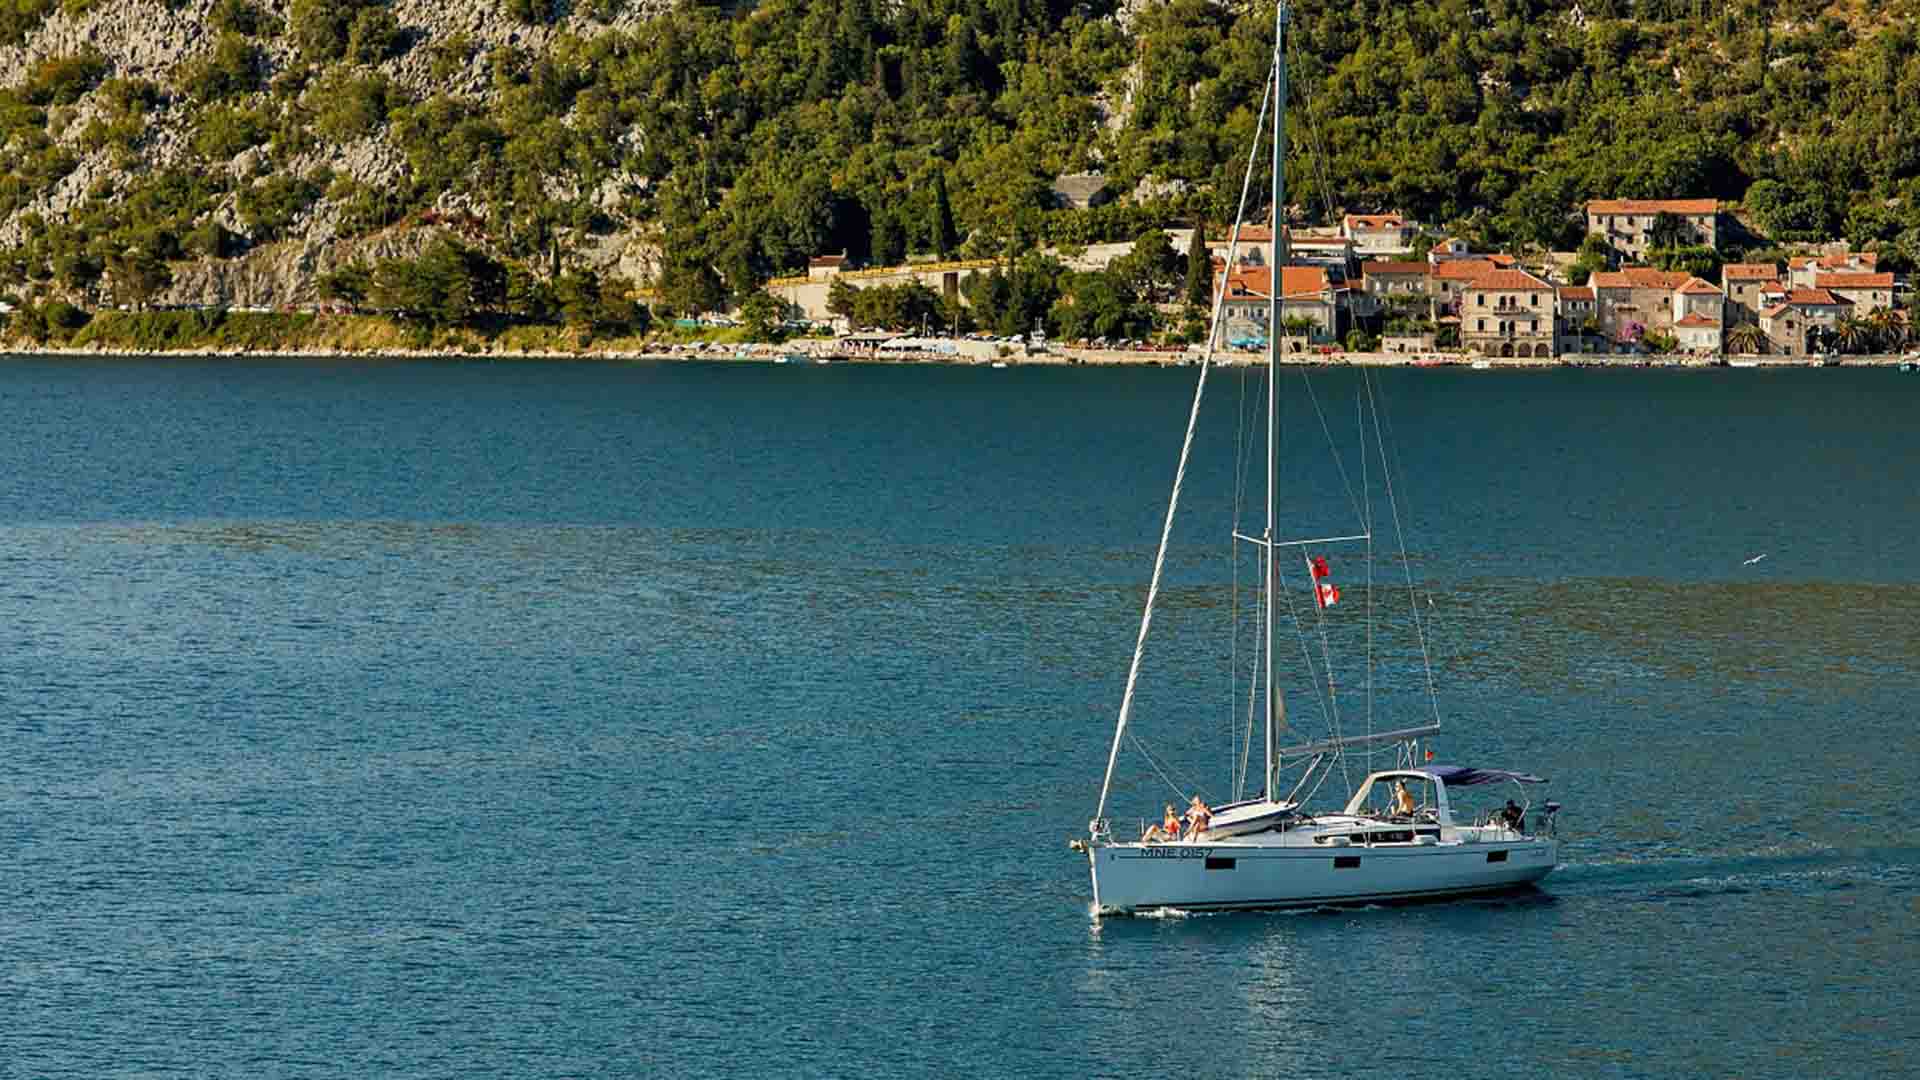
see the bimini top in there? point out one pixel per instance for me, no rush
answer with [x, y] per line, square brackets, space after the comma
[1463, 776]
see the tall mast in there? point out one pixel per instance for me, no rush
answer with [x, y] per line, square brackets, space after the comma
[1276, 714]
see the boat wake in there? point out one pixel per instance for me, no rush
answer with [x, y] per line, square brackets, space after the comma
[1694, 878]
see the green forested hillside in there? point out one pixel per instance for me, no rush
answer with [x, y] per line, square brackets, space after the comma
[732, 142]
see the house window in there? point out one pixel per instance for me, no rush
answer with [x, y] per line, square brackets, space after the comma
[1480, 324]
[1534, 299]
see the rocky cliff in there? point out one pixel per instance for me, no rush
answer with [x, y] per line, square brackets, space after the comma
[129, 41]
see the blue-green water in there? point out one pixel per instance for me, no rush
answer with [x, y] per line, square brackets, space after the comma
[612, 720]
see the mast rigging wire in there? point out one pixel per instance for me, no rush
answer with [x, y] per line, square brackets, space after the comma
[1180, 471]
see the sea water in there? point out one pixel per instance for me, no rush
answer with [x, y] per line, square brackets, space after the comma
[554, 720]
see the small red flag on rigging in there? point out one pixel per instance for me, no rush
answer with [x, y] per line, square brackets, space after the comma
[1328, 594]
[1320, 568]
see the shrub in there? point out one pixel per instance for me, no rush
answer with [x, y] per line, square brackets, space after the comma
[131, 97]
[226, 131]
[18, 18]
[529, 12]
[241, 17]
[231, 69]
[447, 284]
[63, 80]
[268, 207]
[375, 35]
[211, 240]
[451, 55]
[348, 105]
[322, 28]
[350, 284]
[61, 315]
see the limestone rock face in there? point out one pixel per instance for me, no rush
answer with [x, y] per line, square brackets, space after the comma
[151, 39]
[285, 274]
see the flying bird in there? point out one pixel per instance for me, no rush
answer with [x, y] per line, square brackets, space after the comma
[1755, 559]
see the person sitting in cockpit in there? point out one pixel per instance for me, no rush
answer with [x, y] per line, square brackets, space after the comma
[1402, 799]
[1513, 817]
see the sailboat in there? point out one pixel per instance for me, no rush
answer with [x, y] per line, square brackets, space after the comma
[1404, 832]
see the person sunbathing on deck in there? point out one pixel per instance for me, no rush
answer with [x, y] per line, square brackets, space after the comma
[1198, 818]
[1168, 829]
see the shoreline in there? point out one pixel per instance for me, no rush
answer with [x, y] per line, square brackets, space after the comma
[815, 352]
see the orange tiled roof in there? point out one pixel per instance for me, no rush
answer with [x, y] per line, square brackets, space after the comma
[1654, 206]
[1843, 261]
[1815, 297]
[1698, 320]
[1302, 281]
[1463, 269]
[1518, 280]
[1748, 271]
[1375, 221]
[1295, 281]
[1853, 280]
[1368, 269]
[1576, 292]
[1775, 311]
[1639, 277]
[1503, 260]
[1696, 287]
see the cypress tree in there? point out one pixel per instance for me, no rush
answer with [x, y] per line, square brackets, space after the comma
[942, 229]
[1199, 268]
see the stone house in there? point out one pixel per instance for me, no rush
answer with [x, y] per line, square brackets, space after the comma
[1633, 296]
[1508, 313]
[1385, 279]
[1699, 316]
[1698, 333]
[1255, 247]
[1804, 272]
[1577, 324]
[1356, 303]
[1794, 325]
[1320, 247]
[1407, 343]
[1867, 292]
[825, 267]
[1449, 278]
[1741, 283]
[1627, 224]
[1306, 293]
[1378, 234]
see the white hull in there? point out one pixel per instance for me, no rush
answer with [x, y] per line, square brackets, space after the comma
[1208, 876]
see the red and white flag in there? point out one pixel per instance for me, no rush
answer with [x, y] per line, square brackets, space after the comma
[1325, 593]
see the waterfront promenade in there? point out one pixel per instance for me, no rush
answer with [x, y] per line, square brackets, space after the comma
[816, 351]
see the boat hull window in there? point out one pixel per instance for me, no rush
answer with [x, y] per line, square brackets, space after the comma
[1220, 864]
[1496, 856]
[1346, 862]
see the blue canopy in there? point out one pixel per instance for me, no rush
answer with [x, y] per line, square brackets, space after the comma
[1463, 776]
